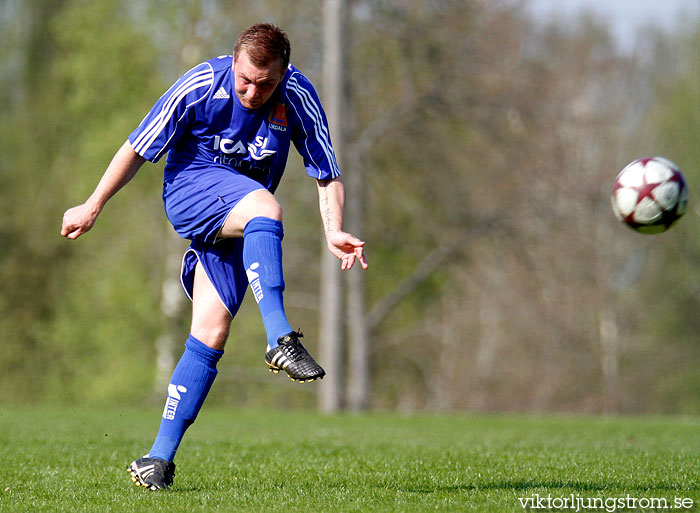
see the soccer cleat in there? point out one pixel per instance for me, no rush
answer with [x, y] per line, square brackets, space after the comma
[152, 473]
[291, 356]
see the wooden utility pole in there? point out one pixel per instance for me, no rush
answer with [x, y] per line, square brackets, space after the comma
[331, 311]
[358, 380]
[170, 344]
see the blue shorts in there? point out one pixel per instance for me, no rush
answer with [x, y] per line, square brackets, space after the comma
[223, 263]
[197, 201]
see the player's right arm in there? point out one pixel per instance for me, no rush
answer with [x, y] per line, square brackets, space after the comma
[157, 133]
[124, 165]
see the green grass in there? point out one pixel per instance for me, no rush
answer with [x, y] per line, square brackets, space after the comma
[74, 460]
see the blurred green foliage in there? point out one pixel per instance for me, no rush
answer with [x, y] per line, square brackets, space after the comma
[489, 144]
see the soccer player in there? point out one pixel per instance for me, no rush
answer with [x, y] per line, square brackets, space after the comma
[226, 126]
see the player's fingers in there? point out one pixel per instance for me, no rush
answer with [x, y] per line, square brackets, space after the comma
[75, 233]
[67, 228]
[362, 258]
[348, 262]
[354, 241]
[347, 239]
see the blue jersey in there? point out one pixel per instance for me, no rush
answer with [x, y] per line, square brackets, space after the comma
[200, 123]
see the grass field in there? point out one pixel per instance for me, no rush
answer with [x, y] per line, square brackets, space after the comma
[252, 461]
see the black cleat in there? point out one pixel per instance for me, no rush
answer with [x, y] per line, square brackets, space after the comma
[152, 473]
[293, 358]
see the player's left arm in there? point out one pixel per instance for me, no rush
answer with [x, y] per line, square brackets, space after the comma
[345, 246]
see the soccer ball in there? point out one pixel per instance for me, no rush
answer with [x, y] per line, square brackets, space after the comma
[650, 195]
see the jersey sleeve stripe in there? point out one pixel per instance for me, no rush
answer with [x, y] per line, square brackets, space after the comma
[174, 98]
[198, 80]
[313, 111]
[144, 141]
[308, 151]
[159, 128]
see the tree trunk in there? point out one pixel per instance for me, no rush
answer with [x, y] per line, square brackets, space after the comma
[359, 339]
[170, 344]
[609, 360]
[358, 381]
[331, 328]
[172, 304]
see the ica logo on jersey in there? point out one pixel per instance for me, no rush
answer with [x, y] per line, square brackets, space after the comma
[257, 149]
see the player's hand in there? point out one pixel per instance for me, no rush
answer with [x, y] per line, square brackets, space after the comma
[347, 248]
[78, 220]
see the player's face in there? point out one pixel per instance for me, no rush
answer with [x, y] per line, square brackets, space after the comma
[255, 85]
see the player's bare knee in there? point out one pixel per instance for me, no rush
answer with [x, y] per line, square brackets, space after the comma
[212, 336]
[259, 203]
[269, 207]
[274, 211]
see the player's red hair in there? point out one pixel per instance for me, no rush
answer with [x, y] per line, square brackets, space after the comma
[264, 43]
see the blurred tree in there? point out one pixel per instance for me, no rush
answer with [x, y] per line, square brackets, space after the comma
[72, 331]
[499, 279]
[665, 369]
[499, 140]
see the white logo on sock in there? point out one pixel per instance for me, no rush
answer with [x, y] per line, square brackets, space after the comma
[254, 280]
[174, 397]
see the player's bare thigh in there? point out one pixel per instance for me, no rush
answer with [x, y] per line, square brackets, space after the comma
[259, 203]
[210, 318]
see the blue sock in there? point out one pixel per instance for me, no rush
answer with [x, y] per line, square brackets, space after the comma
[189, 386]
[262, 257]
